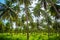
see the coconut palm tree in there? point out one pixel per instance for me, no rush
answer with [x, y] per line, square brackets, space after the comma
[54, 11]
[38, 11]
[19, 2]
[9, 11]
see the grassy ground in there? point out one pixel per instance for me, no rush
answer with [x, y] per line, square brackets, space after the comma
[33, 36]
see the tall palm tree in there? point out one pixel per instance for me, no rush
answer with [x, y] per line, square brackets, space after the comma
[38, 11]
[26, 4]
[56, 14]
[9, 11]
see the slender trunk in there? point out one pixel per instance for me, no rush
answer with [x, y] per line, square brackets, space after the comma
[48, 32]
[56, 28]
[11, 25]
[48, 25]
[37, 25]
[26, 11]
[27, 27]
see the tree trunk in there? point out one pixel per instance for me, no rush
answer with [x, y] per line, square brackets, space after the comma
[26, 11]
[48, 32]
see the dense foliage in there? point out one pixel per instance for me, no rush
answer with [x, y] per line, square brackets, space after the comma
[22, 19]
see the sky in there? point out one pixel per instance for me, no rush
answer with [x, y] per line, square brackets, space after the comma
[2, 1]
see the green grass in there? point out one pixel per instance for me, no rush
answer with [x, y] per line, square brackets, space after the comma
[33, 36]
